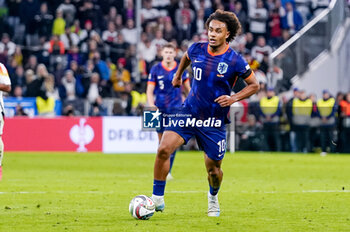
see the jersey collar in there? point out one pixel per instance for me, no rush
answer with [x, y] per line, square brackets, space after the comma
[169, 69]
[217, 54]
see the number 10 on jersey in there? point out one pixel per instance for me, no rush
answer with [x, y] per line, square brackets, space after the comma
[197, 73]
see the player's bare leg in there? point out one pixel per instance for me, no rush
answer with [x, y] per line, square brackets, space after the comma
[215, 175]
[169, 143]
[172, 157]
[159, 136]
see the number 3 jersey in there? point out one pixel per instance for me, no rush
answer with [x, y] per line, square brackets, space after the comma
[167, 97]
[214, 75]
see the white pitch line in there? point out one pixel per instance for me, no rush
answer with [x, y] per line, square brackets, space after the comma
[303, 191]
[179, 192]
[326, 191]
[194, 191]
[23, 192]
[60, 192]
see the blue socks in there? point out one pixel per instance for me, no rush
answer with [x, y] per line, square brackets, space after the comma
[172, 158]
[213, 191]
[158, 187]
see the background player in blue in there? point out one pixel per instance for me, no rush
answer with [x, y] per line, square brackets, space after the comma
[160, 92]
[216, 67]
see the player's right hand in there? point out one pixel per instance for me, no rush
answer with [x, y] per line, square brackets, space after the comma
[177, 81]
[152, 107]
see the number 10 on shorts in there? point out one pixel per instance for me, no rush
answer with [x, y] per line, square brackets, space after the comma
[222, 145]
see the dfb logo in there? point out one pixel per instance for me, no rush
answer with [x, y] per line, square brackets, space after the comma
[81, 135]
[151, 119]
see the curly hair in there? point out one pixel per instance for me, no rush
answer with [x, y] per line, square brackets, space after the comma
[230, 19]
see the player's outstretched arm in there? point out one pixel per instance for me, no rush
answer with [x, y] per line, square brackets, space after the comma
[185, 61]
[5, 88]
[251, 88]
[150, 95]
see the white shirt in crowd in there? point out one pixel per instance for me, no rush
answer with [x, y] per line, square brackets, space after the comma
[66, 8]
[70, 88]
[106, 35]
[65, 40]
[200, 26]
[197, 4]
[282, 11]
[239, 41]
[130, 35]
[10, 46]
[159, 42]
[93, 92]
[258, 17]
[273, 76]
[82, 36]
[258, 52]
[251, 5]
[260, 76]
[148, 14]
[148, 53]
[160, 3]
[290, 20]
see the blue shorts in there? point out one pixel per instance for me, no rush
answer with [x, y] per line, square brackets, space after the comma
[161, 129]
[211, 140]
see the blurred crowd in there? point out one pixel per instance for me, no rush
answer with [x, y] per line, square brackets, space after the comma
[84, 52]
[301, 123]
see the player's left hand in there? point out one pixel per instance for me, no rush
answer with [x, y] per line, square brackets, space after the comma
[177, 81]
[225, 100]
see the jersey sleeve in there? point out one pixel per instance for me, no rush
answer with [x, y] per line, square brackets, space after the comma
[242, 68]
[192, 50]
[152, 76]
[4, 76]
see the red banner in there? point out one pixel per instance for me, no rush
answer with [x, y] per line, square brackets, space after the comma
[53, 134]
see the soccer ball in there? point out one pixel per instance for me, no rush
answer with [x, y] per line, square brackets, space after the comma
[142, 207]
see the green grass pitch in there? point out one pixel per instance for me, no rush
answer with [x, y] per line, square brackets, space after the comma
[91, 192]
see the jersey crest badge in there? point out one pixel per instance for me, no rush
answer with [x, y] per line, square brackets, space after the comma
[222, 67]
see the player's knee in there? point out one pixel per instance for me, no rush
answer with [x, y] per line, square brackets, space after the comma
[214, 172]
[163, 152]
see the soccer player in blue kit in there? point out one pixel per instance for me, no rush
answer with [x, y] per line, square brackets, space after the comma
[216, 67]
[161, 94]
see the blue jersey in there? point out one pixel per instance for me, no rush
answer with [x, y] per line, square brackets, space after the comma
[214, 75]
[166, 95]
